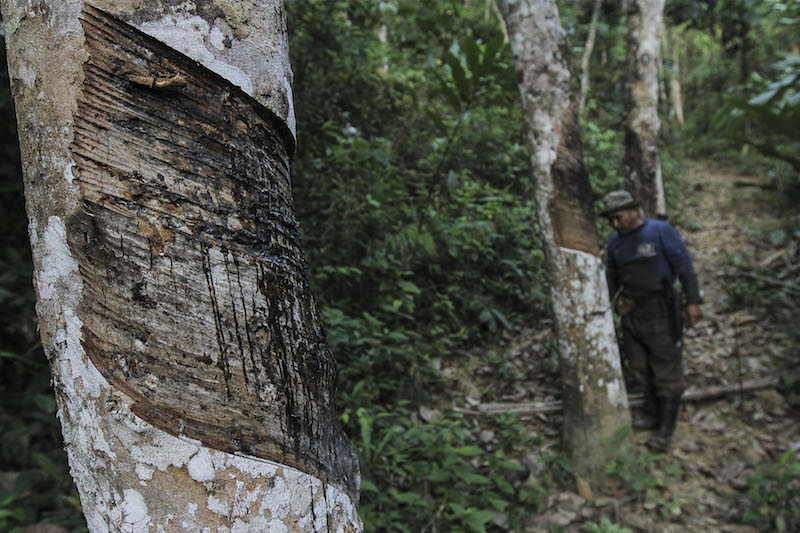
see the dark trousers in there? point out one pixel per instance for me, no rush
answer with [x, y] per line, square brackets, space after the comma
[654, 355]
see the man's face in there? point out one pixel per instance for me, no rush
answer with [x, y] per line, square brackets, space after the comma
[625, 220]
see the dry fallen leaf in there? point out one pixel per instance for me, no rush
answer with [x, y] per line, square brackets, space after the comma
[584, 489]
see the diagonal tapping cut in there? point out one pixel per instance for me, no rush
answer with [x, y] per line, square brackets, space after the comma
[196, 302]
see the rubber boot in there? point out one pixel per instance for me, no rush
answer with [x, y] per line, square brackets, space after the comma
[649, 418]
[668, 417]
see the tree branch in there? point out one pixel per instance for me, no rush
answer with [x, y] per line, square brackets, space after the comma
[692, 395]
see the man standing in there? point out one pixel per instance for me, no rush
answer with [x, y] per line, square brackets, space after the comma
[644, 257]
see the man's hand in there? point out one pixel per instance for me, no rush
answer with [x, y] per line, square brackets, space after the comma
[692, 314]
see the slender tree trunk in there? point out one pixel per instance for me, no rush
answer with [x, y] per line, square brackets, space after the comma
[671, 49]
[499, 15]
[642, 163]
[383, 38]
[194, 385]
[587, 54]
[595, 401]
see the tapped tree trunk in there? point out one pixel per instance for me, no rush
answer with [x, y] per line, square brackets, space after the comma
[595, 401]
[194, 384]
[642, 163]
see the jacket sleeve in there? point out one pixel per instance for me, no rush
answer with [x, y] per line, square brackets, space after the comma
[681, 263]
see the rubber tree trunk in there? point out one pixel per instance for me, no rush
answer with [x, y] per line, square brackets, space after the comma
[642, 163]
[595, 400]
[587, 53]
[194, 384]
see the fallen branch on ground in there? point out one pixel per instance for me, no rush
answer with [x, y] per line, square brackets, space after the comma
[634, 400]
[769, 281]
[760, 185]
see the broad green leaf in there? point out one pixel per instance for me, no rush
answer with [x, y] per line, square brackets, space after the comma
[368, 486]
[459, 76]
[459, 510]
[472, 53]
[438, 476]
[469, 451]
[409, 498]
[511, 465]
[427, 243]
[491, 53]
[473, 479]
[478, 520]
[409, 287]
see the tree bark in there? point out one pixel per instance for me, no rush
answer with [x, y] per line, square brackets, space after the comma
[194, 383]
[642, 163]
[595, 402]
[587, 54]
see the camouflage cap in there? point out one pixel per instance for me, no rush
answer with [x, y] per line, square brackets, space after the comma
[617, 201]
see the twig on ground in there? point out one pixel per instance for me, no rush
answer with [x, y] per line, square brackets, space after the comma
[634, 400]
[770, 281]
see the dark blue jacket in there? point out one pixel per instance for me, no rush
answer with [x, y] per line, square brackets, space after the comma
[647, 261]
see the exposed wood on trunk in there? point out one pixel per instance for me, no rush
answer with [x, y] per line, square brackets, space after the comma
[194, 384]
[571, 205]
[588, 355]
[642, 163]
[635, 400]
[186, 194]
[587, 53]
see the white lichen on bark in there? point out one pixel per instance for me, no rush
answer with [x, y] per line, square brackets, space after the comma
[583, 305]
[132, 476]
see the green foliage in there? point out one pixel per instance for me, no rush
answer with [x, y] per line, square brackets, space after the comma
[770, 120]
[773, 495]
[420, 239]
[34, 482]
[645, 473]
[606, 526]
[433, 476]
[733, 49]
[603, 152]
[477, 72]
[411, 239]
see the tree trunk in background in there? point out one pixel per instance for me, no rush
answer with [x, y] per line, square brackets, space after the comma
[642, 164]
[595, 402]
[500, 18]
[587, 54]
[194, 384]
[735, 29]
[671, 49]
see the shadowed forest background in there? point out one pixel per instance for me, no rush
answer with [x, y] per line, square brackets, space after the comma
[412, 186]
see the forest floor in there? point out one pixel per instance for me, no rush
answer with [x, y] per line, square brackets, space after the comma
[701, 484]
